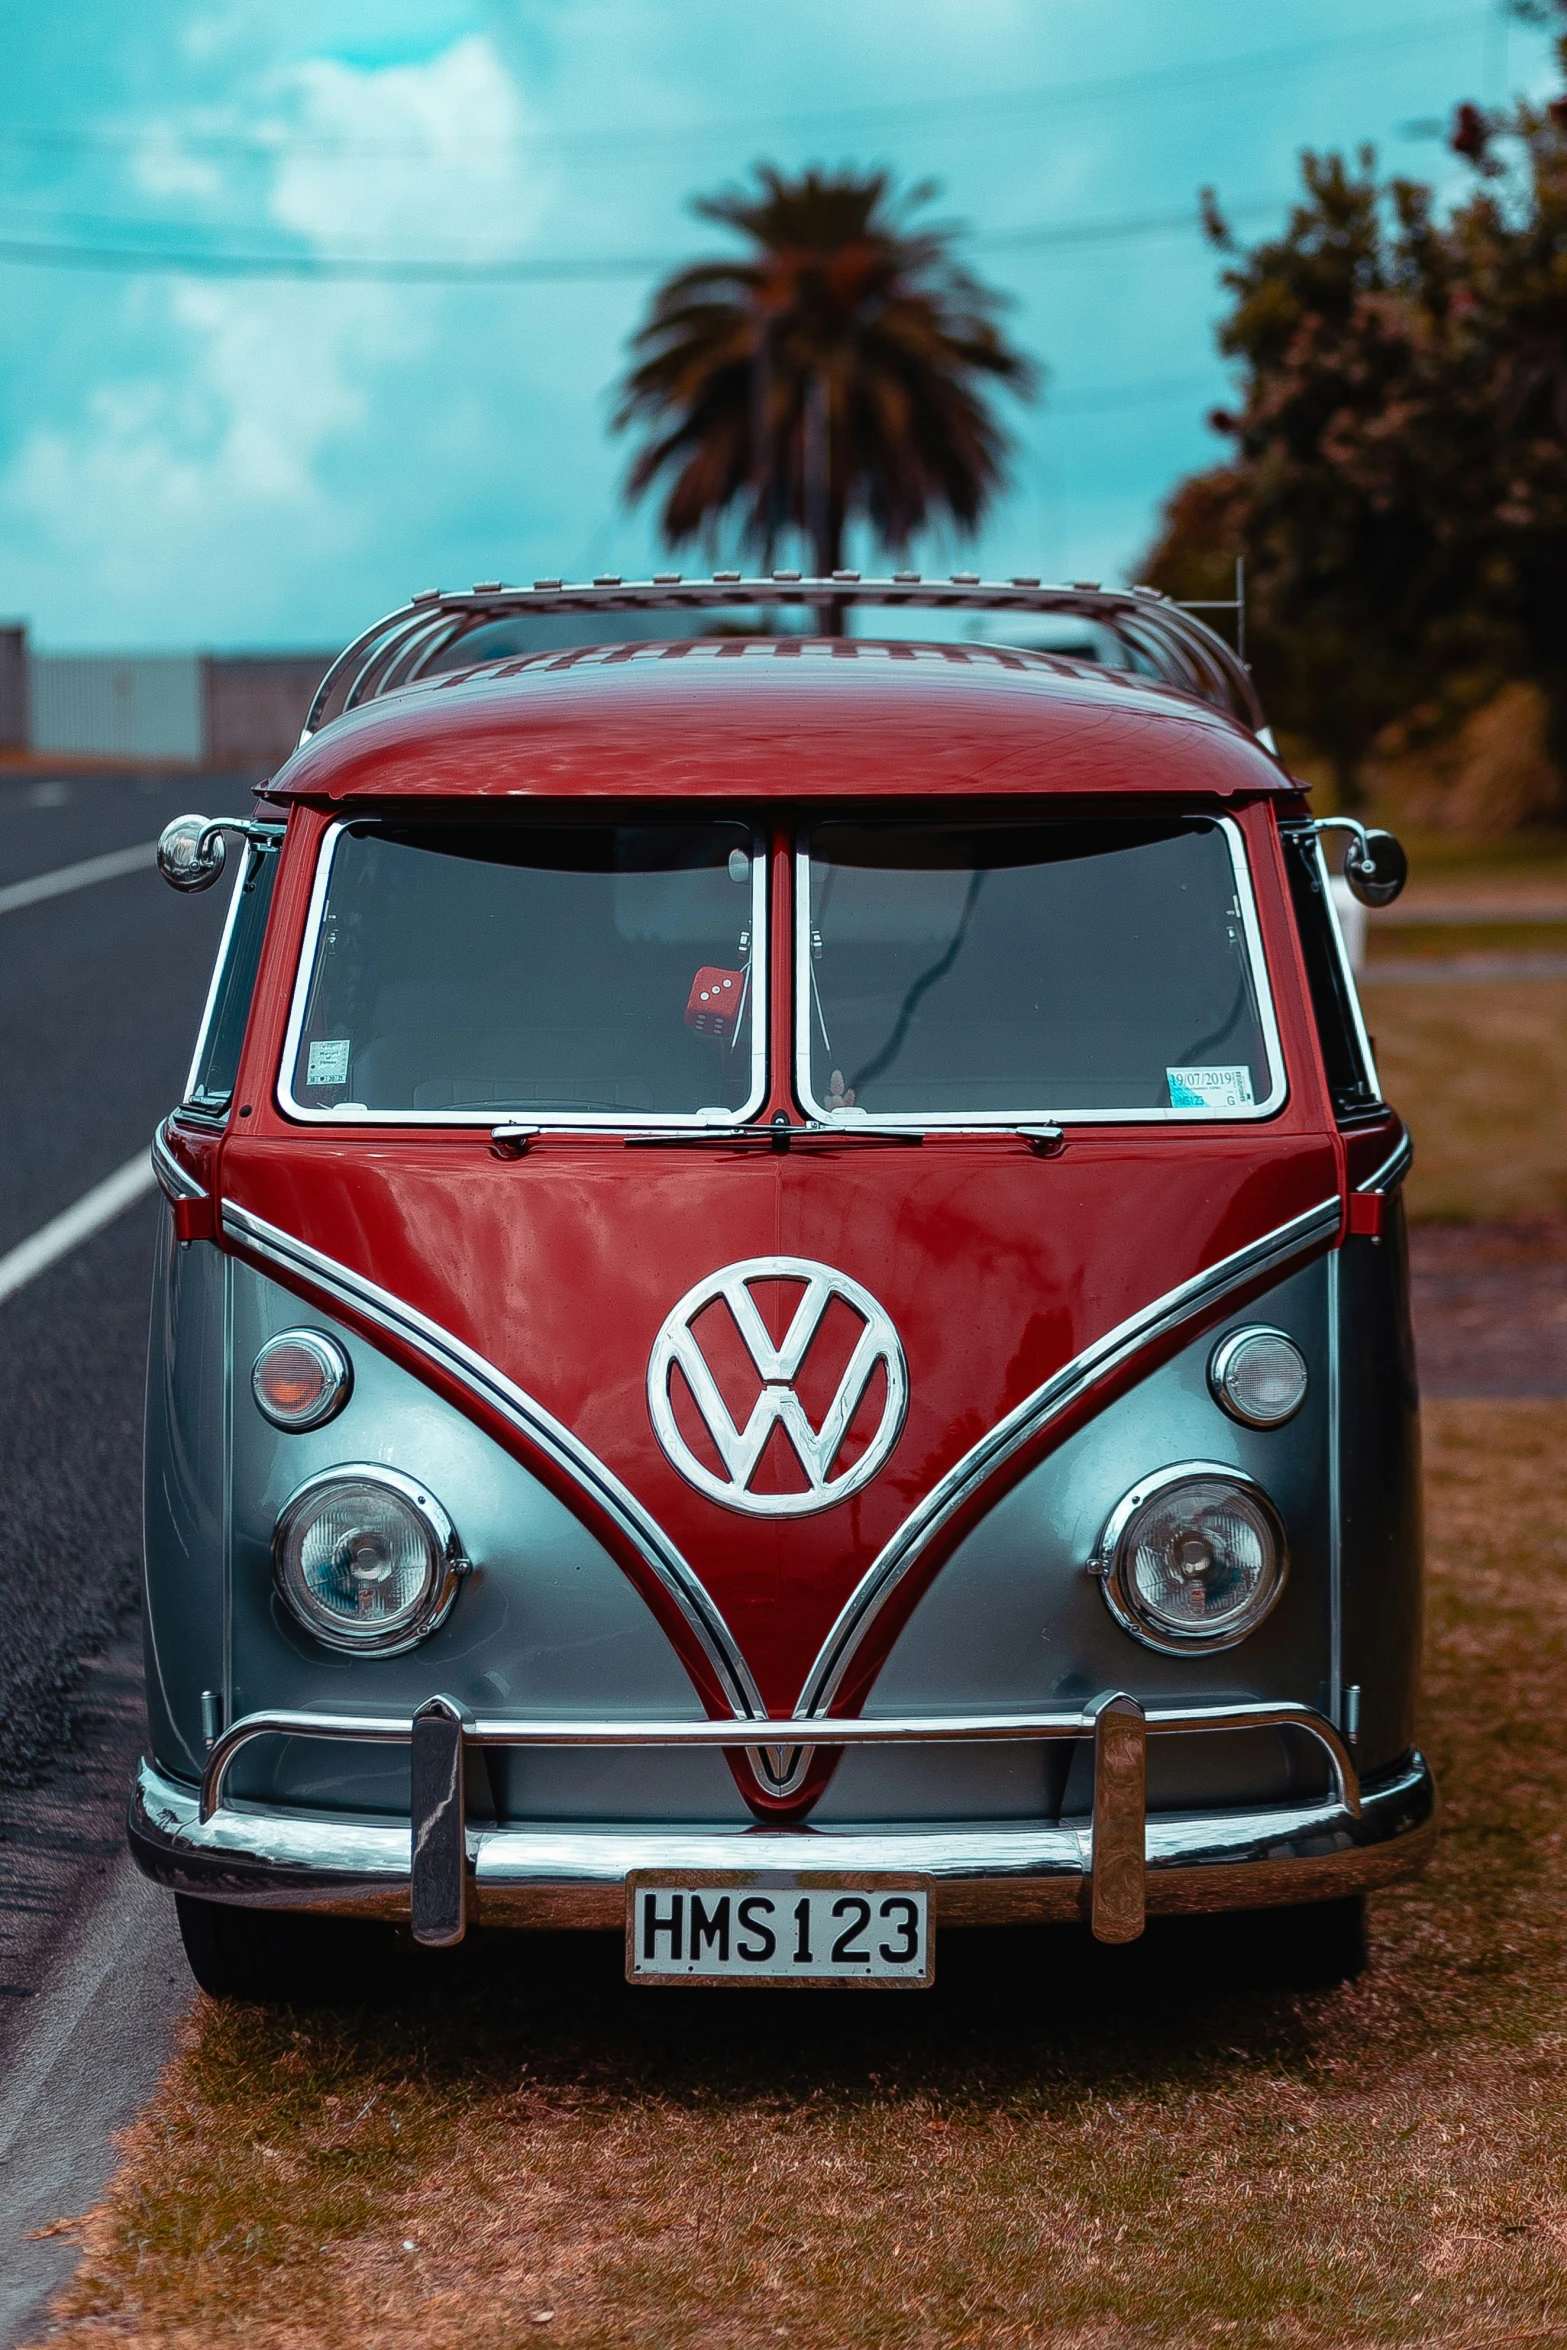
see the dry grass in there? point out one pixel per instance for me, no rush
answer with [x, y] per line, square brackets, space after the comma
[1488, 776]
[1536, 857]
[1434, 942]
[1059, 2145]
[1479, 1068]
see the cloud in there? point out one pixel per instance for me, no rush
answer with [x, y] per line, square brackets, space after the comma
[221, 462]
[411, 155]
[167, 165]
[196, 493]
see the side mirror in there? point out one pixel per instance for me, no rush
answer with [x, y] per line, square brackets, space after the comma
[1376, 868]
[191, 853]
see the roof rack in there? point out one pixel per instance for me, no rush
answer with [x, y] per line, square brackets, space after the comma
[1161, 639]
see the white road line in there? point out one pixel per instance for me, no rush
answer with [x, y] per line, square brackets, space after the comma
[64, 878]
[62, 1233]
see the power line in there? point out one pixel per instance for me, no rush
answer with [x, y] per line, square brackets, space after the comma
[522, 268]
[1222, 72]
[33, 253]
[1127, 228]
[1102, 399]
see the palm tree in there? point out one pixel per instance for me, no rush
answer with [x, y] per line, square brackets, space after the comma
[835, 371]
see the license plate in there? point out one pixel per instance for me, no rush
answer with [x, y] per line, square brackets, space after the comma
[748, 1926]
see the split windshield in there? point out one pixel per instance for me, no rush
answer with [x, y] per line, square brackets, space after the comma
[592, 971]
[1031, 970]
[609, 973]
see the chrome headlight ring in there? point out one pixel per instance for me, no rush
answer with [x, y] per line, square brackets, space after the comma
[367, 1559]
[1226, 1526]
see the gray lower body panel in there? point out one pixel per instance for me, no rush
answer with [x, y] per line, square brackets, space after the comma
[573, 1876]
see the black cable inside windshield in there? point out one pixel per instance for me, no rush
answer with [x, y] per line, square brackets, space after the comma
[921, 987]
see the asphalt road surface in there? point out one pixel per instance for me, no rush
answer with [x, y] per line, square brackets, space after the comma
[100, 992]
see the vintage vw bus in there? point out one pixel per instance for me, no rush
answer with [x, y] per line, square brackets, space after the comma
[782, 1320]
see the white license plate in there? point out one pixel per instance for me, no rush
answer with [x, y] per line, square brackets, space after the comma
[749, 1926]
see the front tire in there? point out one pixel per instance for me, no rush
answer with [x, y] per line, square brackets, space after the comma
[279, 1958]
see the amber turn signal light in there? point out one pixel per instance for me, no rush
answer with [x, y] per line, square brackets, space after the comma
[301, 1379]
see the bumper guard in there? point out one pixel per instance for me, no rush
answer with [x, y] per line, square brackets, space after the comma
[1113, 1868]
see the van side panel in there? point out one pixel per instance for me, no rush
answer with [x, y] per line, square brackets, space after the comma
[1380, 1471]
[184, 1495]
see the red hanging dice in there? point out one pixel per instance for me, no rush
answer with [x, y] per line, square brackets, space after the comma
[714, 1005]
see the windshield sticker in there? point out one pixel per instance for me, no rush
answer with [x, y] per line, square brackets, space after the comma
[328, 1063]
[1216, 1085]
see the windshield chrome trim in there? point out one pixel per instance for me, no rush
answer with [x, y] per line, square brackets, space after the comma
[970, 1121]
[530, 1418]
[1031, 1417]
[558, 1121]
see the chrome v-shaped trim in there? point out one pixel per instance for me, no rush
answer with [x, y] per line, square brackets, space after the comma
[541, 1428]
[781, 1770]
[1025, 1422]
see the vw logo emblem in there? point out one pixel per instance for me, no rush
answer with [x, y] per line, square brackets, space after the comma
[778, 1406]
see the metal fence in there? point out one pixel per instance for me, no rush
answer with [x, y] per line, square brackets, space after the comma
[228, 711]
[104, 706]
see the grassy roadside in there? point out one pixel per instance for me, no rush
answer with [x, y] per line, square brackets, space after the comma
[1060, 2145]
[1479, 1069]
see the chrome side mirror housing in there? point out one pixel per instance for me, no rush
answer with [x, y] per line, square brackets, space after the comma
[1376, 868]
[191, 853]
[191, 850]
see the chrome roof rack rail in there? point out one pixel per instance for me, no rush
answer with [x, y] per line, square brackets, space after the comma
[1160, 638]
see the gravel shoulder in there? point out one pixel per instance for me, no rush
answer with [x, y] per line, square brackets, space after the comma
[92, 1984]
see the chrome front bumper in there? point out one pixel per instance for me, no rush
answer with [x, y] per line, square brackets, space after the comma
[1109, 1869]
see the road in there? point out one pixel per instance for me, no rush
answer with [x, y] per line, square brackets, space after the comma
[100, 991]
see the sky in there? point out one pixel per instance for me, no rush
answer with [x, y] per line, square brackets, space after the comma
[191, 458]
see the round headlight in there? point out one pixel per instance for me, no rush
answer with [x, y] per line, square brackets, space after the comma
[1259, 1376]
[1192, 1558]
[301, 1379]
[367, 1559]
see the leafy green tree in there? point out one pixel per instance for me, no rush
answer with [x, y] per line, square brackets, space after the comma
[1399, 478]
[837, 370]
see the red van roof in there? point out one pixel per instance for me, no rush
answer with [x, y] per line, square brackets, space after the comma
[776, 716]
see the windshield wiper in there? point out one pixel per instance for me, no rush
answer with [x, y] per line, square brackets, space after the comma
[780, 1135]
[512, 1139]
[1046, 1141]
